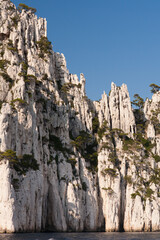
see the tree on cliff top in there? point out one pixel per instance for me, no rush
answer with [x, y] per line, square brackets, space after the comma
[138, 101]
[154, 88]
[25, 7]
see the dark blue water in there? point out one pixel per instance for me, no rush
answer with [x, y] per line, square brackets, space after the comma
[81, 236]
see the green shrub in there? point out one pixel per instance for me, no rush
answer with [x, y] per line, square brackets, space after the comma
[101, 131]
[66, 87]
[155, 176]
[11, 47]
[3, 64]
[29, 162]
[87, 146]
[95, 124]
[82, 140]
[133, 195]
[154, 88]
[138, 101]
[22, 164]
[109, 190]
[24, 66]
[128, 179]
[72, 161]
[19, 100]
[9, 155]
[29, 78]
[156, 158]
[110, 171]
[44, 46]
[149, 192]
[119, 132]
[128, 143]
[113, 158]
[57, 144]
[7, 78]
[146, 143]
[15, 20]
[22, 6]
[105, 146]
[143, 193]
[24, 70]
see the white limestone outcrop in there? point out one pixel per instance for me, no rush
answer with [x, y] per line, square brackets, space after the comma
[67, 163]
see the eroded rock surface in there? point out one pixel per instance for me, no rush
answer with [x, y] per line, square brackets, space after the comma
[68, 163]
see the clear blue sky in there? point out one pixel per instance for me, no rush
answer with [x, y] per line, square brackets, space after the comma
[107, 40]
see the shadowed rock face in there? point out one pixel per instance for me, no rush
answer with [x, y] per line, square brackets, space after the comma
[68, 163]
[3, 36]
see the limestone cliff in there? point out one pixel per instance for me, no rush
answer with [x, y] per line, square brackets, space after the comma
[68, 163]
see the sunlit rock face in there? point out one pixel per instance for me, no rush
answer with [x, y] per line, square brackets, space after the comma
[68, 163]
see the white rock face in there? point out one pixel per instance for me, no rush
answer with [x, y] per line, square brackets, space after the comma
[67, 163]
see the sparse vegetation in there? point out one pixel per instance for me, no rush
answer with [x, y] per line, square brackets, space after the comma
[138, 101]
[10, 8]
[19, 101]
[44, 47]
[22, 164]
[7, 78]
[24, 70]
[82, 140]
[29, 78]
[15, 21]
[154, 88]
[128, 179]
[22, 6]
[156, 158]
[102, 130]
[154, 119]
[113, 158]
[110, 171]
[109, 190]
[11, 47]
[95, 124]
[4, 64]
[143, 193]
[58, 145]
[72, 161]
[87, 146]
[66, 87]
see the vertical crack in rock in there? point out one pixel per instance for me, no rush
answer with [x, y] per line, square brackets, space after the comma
[122, 205]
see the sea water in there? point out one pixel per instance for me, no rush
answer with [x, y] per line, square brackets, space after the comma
[81, 236]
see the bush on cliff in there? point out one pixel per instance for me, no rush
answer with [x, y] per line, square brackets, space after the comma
[22, 6]
[22, 164]
[44, 46]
